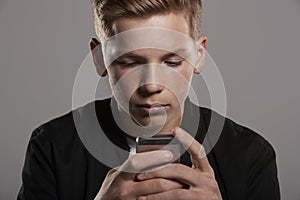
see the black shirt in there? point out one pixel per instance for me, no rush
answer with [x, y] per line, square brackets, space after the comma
[59, 166]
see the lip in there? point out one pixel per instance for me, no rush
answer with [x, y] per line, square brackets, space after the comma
[153, 108]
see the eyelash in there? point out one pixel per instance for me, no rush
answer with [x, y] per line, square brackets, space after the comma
[131, 64]
[128, 64]
[174, 63]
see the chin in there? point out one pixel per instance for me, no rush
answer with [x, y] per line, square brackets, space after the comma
[155, 121]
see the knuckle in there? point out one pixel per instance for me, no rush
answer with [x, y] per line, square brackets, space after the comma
[212, 173]
[111, 172]
[180, 194]
[133, 163]
[155, 185]
[124, 193]
[115, 180]
[152, 197]
[214, 197]
[214, 185]
[176, 168]
[160, 183]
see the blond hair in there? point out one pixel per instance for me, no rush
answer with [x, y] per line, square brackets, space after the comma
[107, 11]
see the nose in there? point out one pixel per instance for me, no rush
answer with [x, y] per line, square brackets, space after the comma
[149, 89]
[150, 81]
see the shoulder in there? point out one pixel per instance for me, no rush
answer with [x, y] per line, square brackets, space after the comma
[243, 160]
[62, 129]
[237, 139]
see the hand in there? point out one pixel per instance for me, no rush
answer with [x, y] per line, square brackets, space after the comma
[200, 178]
[121, 183]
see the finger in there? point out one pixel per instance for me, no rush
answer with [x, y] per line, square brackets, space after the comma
[179, 172]
[195, 149]
[182, 194]
[171, 195]
[112, 171]
[154, 186]
[140, 161]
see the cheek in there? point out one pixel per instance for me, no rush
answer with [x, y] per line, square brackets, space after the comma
[122, 86]
[115, 74]
[186, 72]
[184, 82]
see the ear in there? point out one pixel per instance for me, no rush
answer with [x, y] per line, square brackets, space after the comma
[96, 50]
[201, 54]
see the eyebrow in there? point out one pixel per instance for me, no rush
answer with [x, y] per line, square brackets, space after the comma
[178, 52]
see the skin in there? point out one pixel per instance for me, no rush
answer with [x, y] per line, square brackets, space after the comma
[170, 181]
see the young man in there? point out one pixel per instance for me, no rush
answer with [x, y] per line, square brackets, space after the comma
[149, 79]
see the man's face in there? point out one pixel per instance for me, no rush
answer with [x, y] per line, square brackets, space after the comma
[150, 69]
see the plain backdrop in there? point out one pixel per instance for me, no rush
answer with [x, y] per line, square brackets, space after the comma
[254, 43]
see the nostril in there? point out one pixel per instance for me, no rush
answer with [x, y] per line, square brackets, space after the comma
[150, 89]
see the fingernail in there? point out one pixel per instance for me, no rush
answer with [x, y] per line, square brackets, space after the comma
[168, 155]
[140, 176]
[142, 198]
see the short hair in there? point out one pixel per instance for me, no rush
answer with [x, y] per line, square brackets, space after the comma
[105, 12]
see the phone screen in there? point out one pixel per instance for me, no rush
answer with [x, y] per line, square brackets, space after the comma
[158, 142]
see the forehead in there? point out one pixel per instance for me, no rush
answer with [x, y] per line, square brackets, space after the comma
[149, 42]
[173, 21]
[155, 53]
[159, 34]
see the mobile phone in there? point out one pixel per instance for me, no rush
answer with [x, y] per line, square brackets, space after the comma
[159, 142]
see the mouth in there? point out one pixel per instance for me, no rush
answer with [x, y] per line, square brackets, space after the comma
[153, 108]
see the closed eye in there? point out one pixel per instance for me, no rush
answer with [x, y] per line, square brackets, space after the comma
[127, 64]
[174, 63]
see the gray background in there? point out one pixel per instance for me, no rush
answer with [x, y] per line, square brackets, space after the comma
[254, 43]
